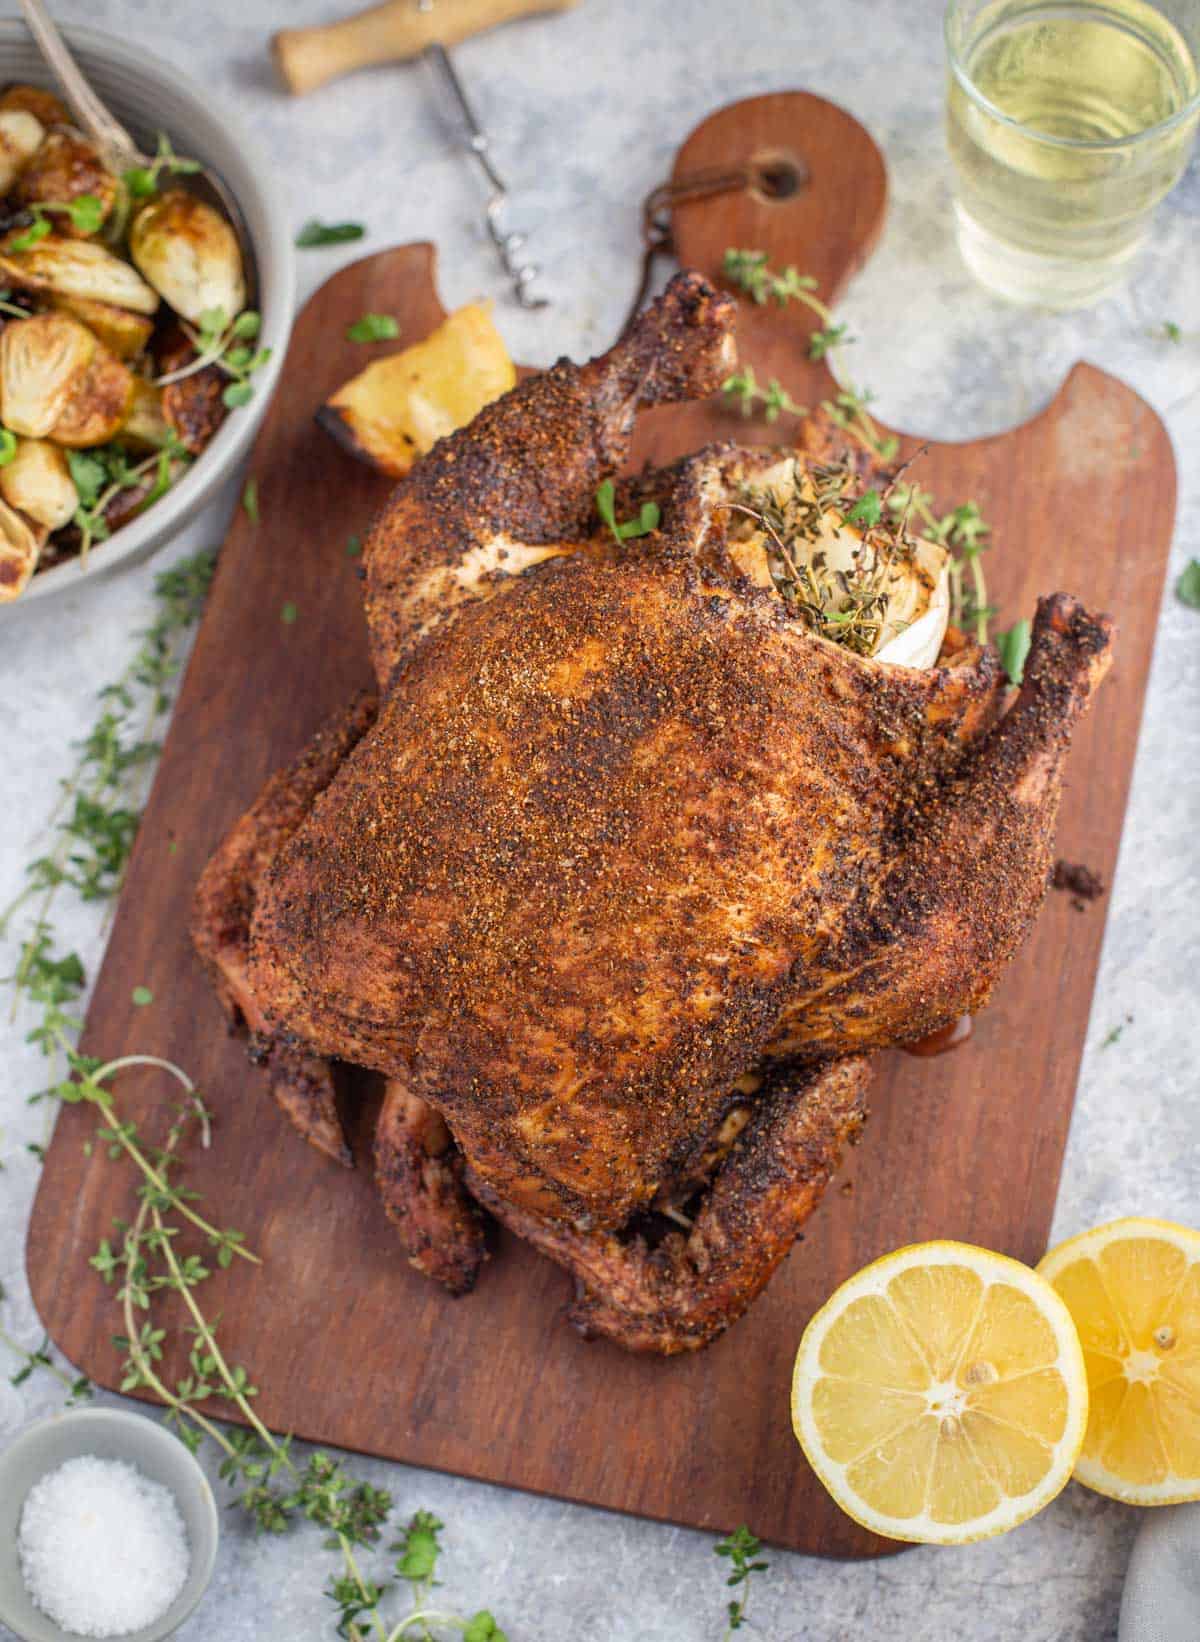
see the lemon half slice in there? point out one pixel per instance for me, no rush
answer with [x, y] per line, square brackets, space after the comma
[1133, 1288]
[940, 1394]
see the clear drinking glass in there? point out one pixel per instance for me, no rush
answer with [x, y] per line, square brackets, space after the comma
[1067, 123]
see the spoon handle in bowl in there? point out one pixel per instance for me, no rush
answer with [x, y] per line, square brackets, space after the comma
[109, 135]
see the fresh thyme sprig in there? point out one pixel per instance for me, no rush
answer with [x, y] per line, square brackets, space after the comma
[743, 389]
[78, 1387]
[963, 530]
[744, 1552]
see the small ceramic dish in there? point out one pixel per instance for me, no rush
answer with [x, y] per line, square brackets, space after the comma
[148, 96]
[110, 1434]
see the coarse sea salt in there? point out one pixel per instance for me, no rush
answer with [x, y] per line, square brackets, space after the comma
[103, 1549]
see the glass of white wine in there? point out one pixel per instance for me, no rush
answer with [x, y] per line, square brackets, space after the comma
[1067, 123]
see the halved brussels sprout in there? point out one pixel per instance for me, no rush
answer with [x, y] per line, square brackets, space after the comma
[145, 424]
[97, 403]
[36, 100]
[194, 407]
[126, 334]
[400, 406]
[77, 267]
[38, 482]
[20, 137]
[20, 545]
[64, 167]
[42, 359]
[190, 254]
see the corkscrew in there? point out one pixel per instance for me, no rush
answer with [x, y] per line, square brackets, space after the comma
[397, 31]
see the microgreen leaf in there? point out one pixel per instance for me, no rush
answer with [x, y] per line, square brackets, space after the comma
[29, 237]
[90, 475]
[1187, 588]
[648, 515]
[328, 233]
[8, 446]
[237, 393]
[250, 500]
[288, 614]
[1013, 645]
[86, 212]
[142, 995]
[353, 547]
[1171, 331]
[373, 328]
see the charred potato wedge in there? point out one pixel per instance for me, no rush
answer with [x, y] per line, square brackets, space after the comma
[189, 254]
[20, 545]
[123, 333]
[76, 268]
[38, 482]
[97, 404]
[20, 138]
[42, 361]
[35, 100]
[399, 407]
[64, 167]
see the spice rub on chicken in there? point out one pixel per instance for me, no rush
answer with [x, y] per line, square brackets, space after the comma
[650, 844]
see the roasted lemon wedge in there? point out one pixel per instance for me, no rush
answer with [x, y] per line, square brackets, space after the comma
[399, 407]
[1133, 1289]
[940, 1394]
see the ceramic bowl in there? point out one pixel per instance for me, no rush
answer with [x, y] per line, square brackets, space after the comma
[148, 96]
[110, 1434]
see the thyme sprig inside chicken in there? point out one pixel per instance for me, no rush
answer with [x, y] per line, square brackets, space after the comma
[801, 523]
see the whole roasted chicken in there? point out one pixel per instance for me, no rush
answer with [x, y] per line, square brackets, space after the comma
[648, 844]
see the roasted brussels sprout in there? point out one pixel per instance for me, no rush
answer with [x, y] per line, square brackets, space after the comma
[64, 167]
[128, 335]
[145, 425]
[42, 360]
[97, 403]
[20, 137]
[38, 482]
[399, 407]
[78, 268]
[194, 408]
[190, 255]
[20, 544]
[35, 100]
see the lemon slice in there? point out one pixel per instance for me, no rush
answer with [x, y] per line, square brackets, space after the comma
[940, 1394]
[1133, 1288]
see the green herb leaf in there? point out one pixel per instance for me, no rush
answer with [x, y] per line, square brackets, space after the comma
[142, 995]
[648, 517]
[328, 233]
[1171, 331]
[288, 614]
[37, 230]
[139, 181]
[250, 500]
[1013, 645]
[8, 446]
[1187, 588]
[248, 323]
[353, 548]
[373, 328]
[89, 474]
[86, 212]
[868, 510]
[237, 393]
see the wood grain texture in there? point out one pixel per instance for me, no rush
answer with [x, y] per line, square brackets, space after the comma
[348, 1344]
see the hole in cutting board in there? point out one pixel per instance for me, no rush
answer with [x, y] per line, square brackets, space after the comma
[777, 176]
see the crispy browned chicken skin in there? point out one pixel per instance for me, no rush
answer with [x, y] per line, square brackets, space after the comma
[632, 868]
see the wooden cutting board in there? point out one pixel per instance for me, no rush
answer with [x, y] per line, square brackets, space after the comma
[348, 1344]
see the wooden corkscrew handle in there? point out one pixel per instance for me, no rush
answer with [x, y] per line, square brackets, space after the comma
[389, 33]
